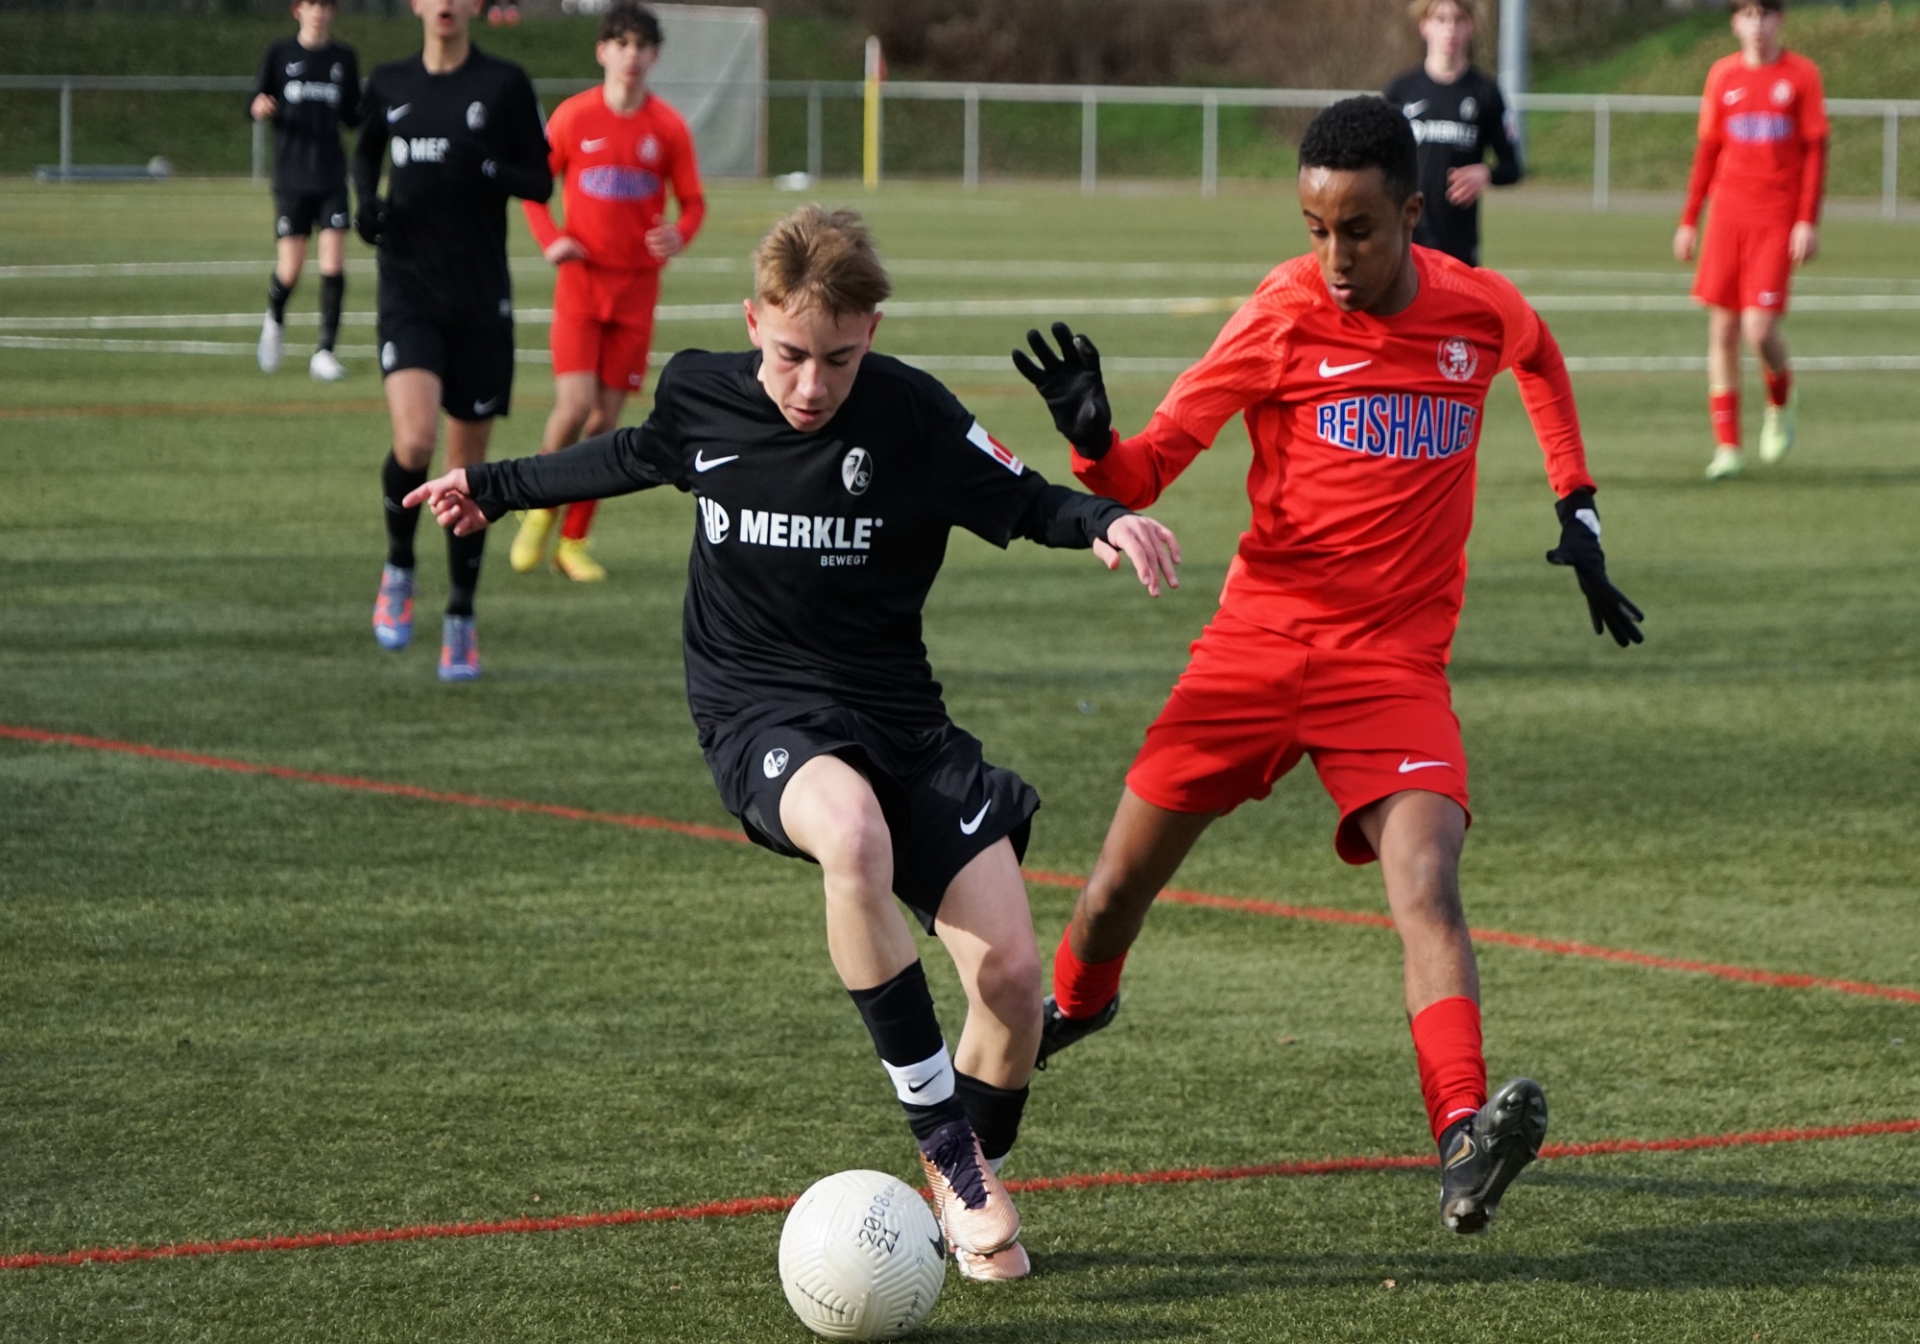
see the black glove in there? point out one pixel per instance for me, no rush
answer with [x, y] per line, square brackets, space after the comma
[371, 221]
[1579, 547]
[1070, 384]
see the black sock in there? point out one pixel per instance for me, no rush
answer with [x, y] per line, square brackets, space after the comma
[396, 483]
[277, 295]
[899, 1016]
[993, 1111]
[333, 289]
[463, 570]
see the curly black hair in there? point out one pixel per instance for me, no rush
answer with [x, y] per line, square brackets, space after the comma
[625, 18]
[1367, 132]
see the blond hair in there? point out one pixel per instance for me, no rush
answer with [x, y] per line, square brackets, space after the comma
[1420, 9]
[819, 259]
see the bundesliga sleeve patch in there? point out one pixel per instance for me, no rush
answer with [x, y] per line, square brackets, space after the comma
[993, 448]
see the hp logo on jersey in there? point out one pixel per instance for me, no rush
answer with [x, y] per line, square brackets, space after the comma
[775, 763]
[856, 471]
[715, 520]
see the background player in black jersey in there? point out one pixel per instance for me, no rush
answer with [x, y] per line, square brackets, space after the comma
[308, 87]
[463, 132]
[828, 479]
[1458, 115]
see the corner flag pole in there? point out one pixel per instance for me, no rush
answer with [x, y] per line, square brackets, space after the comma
[870, 155]
[1514, 44]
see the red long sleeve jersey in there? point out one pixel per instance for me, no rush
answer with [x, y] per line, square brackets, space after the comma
[616, 170]
[1762, 148]
[1365, 433]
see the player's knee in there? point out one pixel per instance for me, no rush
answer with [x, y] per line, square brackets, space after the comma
[1007, 983]
[1757, 326]
[413, 451]
[858, 851]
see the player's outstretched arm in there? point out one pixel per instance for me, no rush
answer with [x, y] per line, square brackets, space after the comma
[1149, 544]
[453, 508]
[1612, 612]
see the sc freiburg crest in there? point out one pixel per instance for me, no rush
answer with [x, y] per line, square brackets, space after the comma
[856, 471]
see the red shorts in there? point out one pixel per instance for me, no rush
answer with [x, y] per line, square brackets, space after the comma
[603, 323]
[1744, 265]
[1251, 703]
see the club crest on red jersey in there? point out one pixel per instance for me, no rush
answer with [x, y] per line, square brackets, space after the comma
[1459, 360]
[1782, 92]
[649, 150]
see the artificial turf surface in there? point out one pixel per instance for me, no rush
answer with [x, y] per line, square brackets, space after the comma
[241, 1006]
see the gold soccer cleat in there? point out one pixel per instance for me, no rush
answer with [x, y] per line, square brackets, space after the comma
[974, 1209]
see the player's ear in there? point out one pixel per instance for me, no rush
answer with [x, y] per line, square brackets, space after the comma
[1412, 209]
[873, 325]
[753, 324]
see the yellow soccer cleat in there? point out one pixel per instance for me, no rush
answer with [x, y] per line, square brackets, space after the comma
[1777, 428]
[1726, 462]
[530, 546]
[571, 559]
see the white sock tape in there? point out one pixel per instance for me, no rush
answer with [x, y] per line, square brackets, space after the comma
[923, 1084]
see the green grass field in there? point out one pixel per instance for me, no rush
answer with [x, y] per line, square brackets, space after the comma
[242, 1006]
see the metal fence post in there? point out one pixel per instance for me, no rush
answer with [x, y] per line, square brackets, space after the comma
[1890, 164]
[816, 133]
[1602, 153]
[1089, 142]
[1210, 145]
[259, 152]
[66, 128]
[970, 148]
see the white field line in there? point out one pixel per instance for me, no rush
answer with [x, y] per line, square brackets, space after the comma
[977, 363]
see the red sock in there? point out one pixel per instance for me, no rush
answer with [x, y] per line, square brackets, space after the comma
[1453, 1072]
[1082, 989]
[579, 519]
[1724, 406]
[1778, 385]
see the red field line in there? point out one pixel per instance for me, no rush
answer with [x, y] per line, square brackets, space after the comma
[740, 1208]
[1243, 905]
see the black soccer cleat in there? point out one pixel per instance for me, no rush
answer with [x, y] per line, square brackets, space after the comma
[1480, 1156]
[1058, 1031]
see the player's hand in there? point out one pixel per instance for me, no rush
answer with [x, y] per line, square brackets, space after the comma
[1685, 239]
[1464, 185]
[1071, 385]
[564, 249]
[371, 220]
[1151, 546]
[264, 106]
[664, 240]
[1579, 547]
[1803, 244]
[452, 506]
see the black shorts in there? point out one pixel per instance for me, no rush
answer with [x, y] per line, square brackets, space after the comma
[299, 213]
[472, 357]
[943, 803]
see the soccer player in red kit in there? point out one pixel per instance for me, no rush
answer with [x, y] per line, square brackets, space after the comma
[1762, 157]
[1362, 371]
[618, 148]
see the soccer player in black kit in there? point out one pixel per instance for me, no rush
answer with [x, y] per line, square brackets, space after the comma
[463, 132]
[308, 87]
[828, 479]
[1458, 116]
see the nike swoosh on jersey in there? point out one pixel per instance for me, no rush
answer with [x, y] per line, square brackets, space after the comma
[1335, 370]
[485, 407]
[296, 67]
[1415, 109]
[1408, 765]
[395, 113]
[704, 464]
[969, 827]
[593, 146]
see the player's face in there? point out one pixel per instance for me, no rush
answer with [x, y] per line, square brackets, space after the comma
[314, 18]
[809, 358]
[445, 19]
[1448, 32]
[1362, 237]
[1758, 32]
[626, 58]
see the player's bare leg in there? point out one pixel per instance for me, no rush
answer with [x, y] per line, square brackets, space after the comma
[1761, 328]
[290, 254]
[1144, 848]
[1484, 1143]
[324, 366]
[829, 811]
[1723, 392]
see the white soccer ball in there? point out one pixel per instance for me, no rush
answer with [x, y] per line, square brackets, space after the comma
[861, 1257]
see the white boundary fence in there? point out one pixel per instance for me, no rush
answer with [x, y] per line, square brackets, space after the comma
[1088, 97]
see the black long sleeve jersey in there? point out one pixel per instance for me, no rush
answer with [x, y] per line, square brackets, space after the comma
[460, 144]
[1456, 125]
[814, 552]
[318, 92]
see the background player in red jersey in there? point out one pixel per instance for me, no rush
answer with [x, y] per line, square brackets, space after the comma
[1762, 157]
[617, 146]
[1362, 371]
